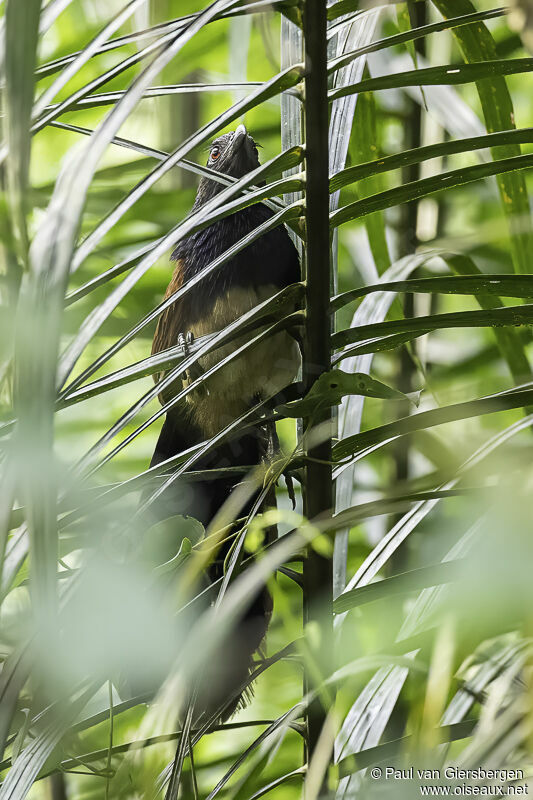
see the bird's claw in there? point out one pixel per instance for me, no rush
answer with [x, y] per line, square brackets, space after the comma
[185, 340]
[193, 372]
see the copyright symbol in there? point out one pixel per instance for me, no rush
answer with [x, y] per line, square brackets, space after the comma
[376, 772]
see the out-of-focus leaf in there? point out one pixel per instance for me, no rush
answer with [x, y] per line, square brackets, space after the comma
[85, 55]
[406, 582]
[378, 754]
[21, 36]
[381, 554]
[370, 713]
[465, 698]
[14, 675]
[365, 722]
[280, 723]
[23, 773]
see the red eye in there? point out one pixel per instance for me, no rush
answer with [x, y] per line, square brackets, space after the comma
[215, 152]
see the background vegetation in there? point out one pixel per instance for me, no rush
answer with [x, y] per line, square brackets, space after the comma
[427, 553]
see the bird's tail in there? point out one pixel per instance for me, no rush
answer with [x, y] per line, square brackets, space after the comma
[202, 499]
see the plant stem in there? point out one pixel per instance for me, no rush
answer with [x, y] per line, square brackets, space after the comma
[318, 494]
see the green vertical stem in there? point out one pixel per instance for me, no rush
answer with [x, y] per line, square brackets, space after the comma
[318, 494]
[58, 788]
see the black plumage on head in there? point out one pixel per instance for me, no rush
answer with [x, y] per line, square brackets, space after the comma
[272, 258]
[234, 154]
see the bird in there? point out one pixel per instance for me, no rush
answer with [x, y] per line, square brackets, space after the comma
[256, 273]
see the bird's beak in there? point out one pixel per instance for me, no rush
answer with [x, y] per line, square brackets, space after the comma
[240, 134]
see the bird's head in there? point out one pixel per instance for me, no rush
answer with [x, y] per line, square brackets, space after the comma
[233, 153]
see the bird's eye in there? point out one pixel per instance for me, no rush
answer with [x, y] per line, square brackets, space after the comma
[215, 153]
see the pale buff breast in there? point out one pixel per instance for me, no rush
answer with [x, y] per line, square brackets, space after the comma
[260, 372]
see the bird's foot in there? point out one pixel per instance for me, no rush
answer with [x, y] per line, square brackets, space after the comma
[193, 372]
[185, 340]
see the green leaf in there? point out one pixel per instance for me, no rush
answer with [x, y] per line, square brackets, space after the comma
[472, 282]
[478, 46]
[385, 549]
[298, 774]
[168, 543]
[413, 34]
[389, 750]
[212, 344]
[508, 339]
[277, 727]
[21, 37]
[366, 147]
[504, 401]
[405, 583]
[101, 99]
[388, 504]
[102, 312]
[403, 17]
[506, 315]
[373, 309]
[419, 154]
[170, 358]
[450, 74]
[329, 389]
[148, 33]
[18, 742]
[23, 773]
[85, 55]
[427, 186]
[157, 47]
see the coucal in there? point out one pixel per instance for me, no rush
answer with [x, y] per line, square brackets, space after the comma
[260, 270]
